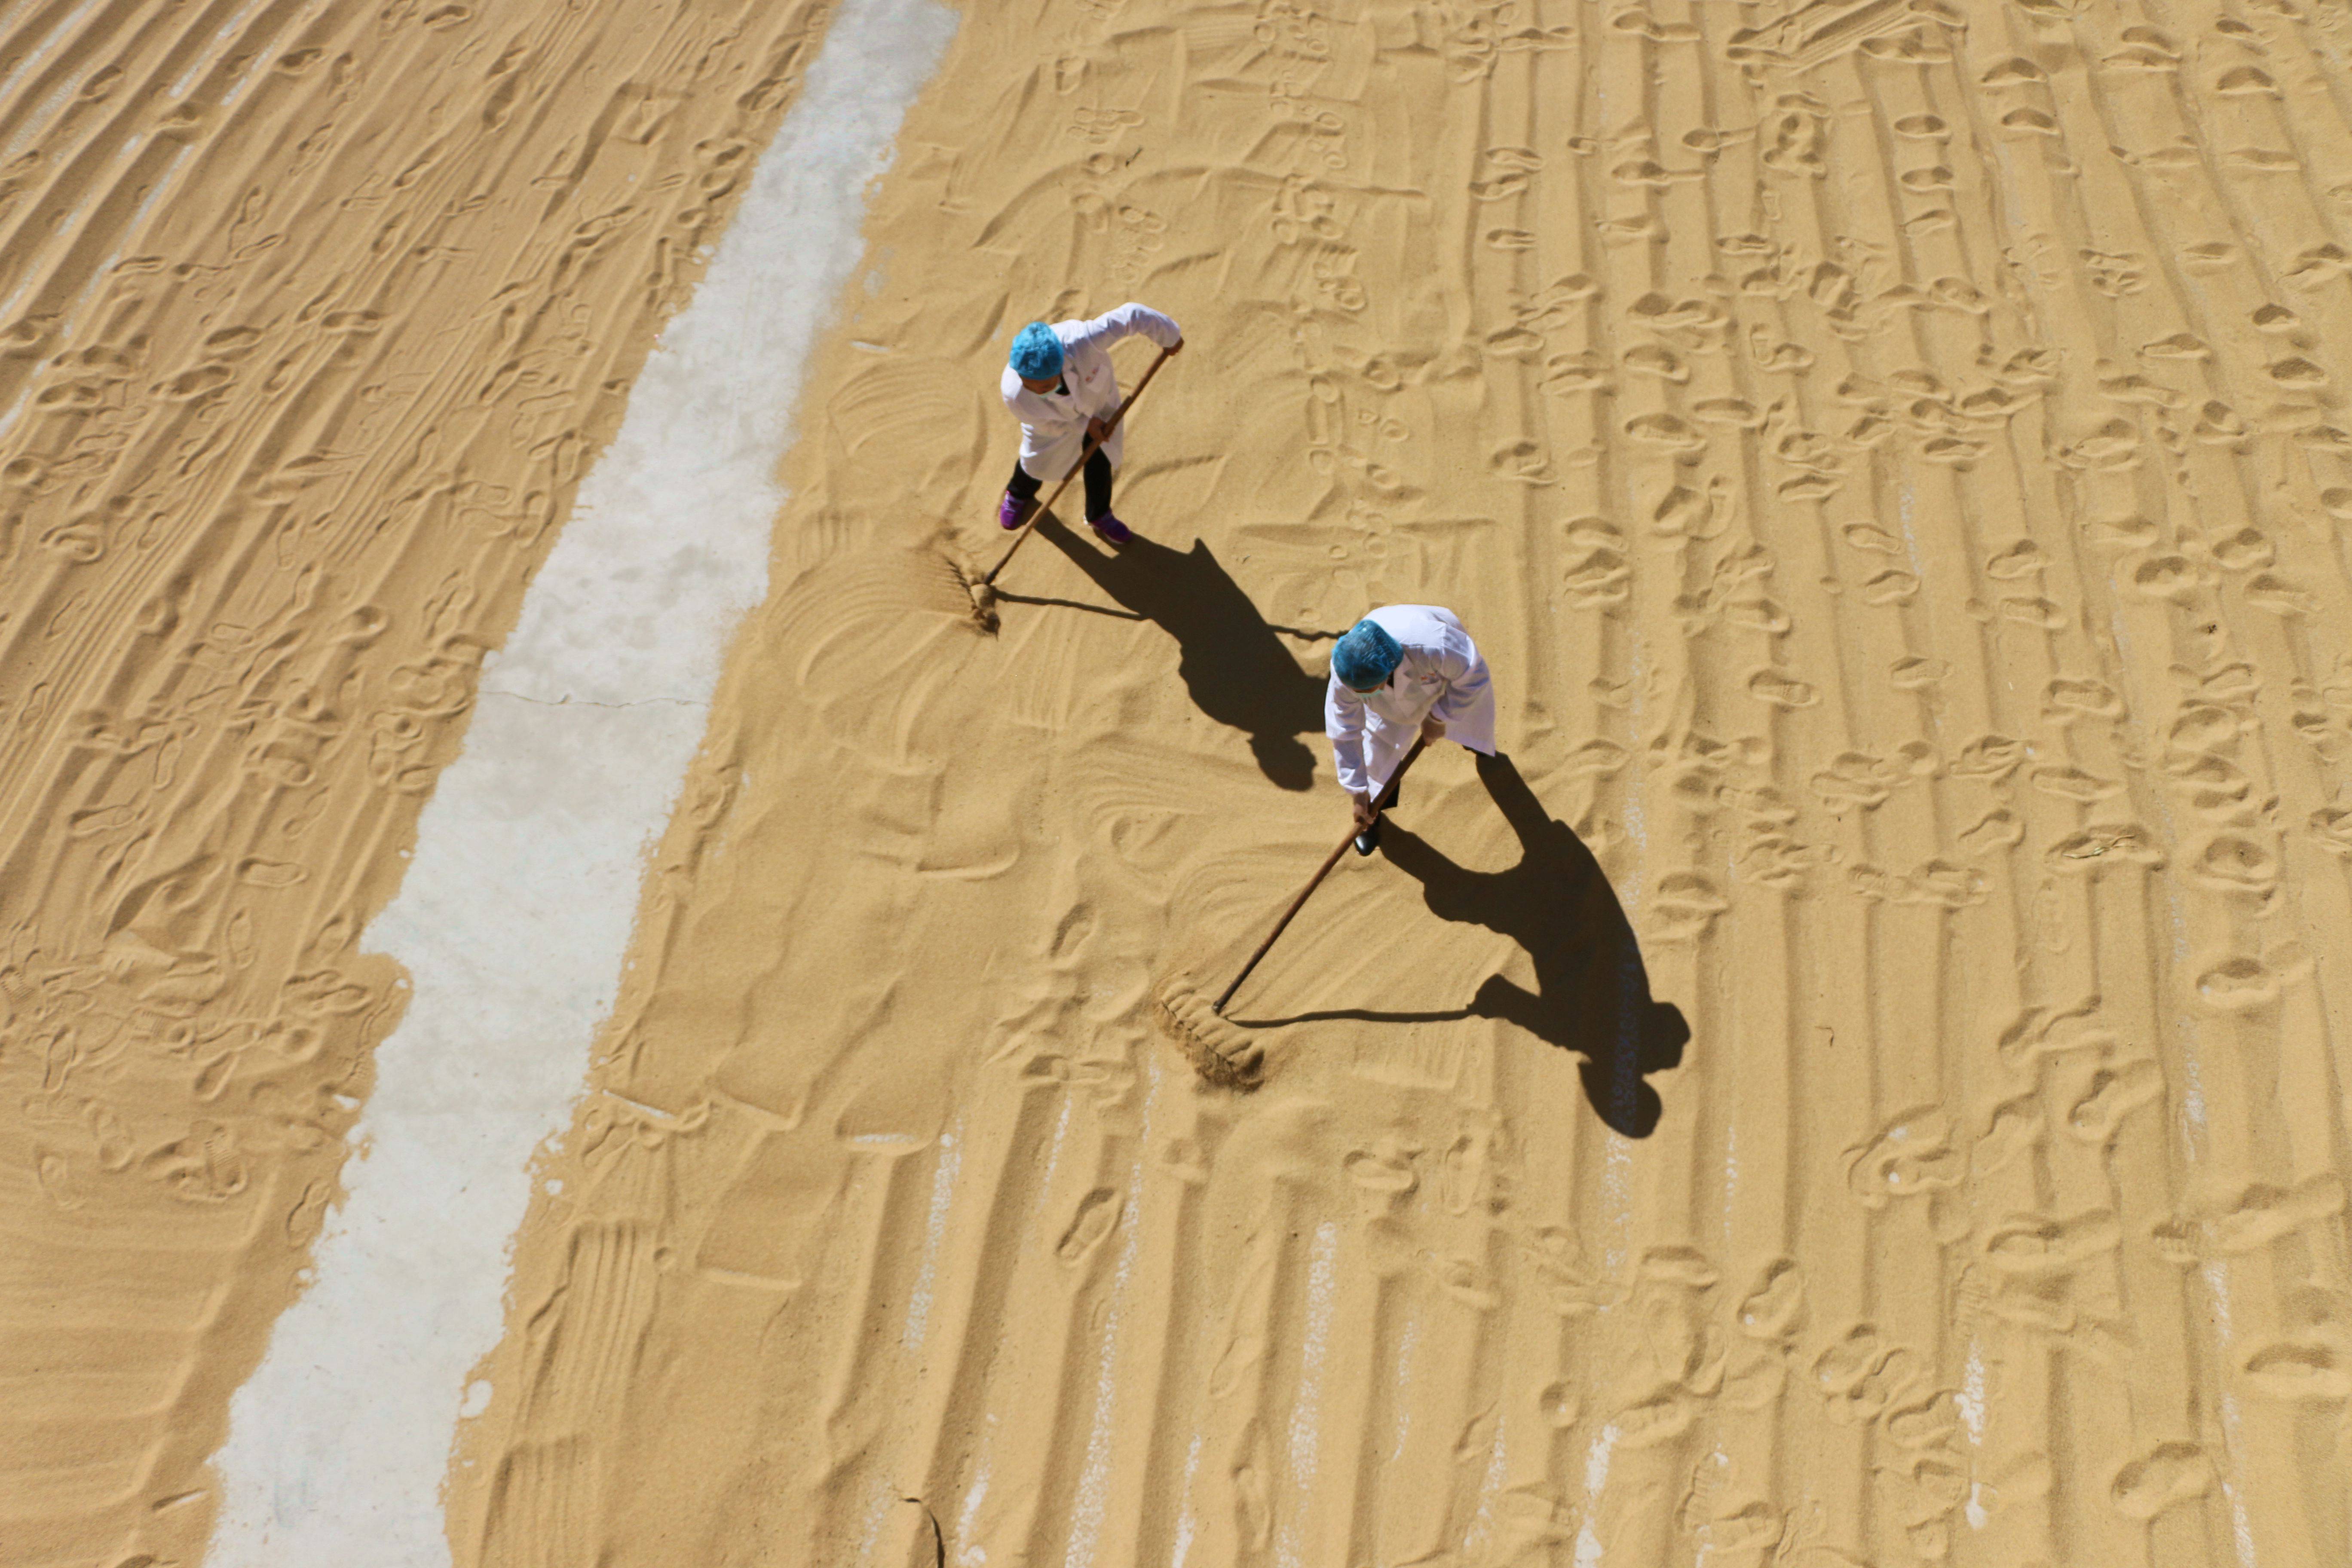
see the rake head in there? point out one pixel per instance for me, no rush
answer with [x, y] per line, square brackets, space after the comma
[1220, 1050]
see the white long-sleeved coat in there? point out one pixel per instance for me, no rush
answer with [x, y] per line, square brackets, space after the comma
[1054, 424]
[1439, 676]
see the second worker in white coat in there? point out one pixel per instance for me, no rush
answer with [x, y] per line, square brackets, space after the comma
[1403, 671]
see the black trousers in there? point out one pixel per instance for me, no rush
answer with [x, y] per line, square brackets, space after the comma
[1023, 489]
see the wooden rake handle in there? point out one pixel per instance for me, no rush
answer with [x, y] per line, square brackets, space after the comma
[1092, 444]
[1388, 792]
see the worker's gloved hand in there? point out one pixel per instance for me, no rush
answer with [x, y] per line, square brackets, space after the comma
[1363, 807]
[1097, 429]
[1432, 729]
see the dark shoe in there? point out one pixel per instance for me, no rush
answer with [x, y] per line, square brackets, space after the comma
[1112, 530]
[1370, 838]
[1011, 512]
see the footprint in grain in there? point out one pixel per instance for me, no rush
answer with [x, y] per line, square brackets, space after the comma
[1781, 689]
[2114, 1093]
[2168, 1474]
[2263, 1214]
[2231, 863]
[2314, 1365]
[1911, 1155]
[1097, 1214]
[2238, 985]
[54, 1176]
[1387, 1171]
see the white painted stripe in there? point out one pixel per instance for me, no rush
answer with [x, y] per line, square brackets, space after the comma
[1305, 1414]
[514, 919]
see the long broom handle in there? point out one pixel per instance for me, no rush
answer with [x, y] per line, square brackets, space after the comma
[1388, 792]
[1092, 444]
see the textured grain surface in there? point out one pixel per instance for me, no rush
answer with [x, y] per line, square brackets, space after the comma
[1858, 1086]
[311, 315]
[1858, 1089]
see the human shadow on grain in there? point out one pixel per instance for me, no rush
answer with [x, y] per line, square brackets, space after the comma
[1230, 657]
[1592, 990]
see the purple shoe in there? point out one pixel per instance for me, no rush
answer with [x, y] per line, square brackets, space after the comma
[1112, 530]
[1011, 512]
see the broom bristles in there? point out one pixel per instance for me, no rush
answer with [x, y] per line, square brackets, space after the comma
[1220, 1050]
[983, 594]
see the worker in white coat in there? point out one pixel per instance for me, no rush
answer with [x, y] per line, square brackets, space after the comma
[1401, 671]
[1059, 383]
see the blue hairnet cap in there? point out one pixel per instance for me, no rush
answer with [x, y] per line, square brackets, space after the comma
[1366, 657]
[1037, 353]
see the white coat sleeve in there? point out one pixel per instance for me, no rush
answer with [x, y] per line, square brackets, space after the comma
[1465, 687]
[1343, 723]
[1127, 320]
